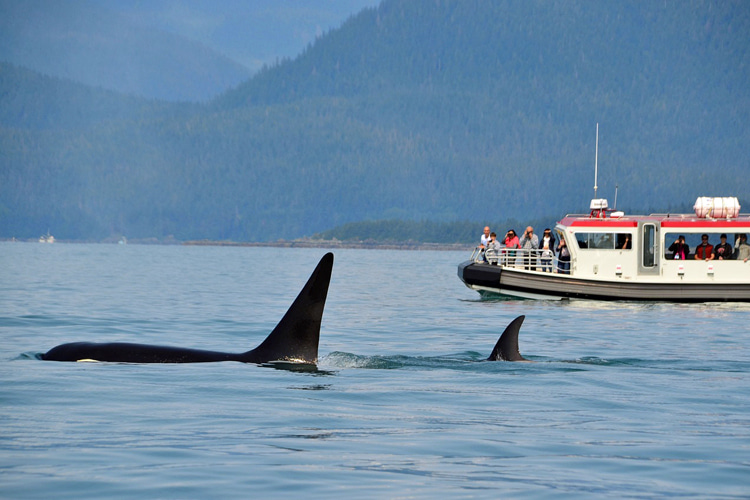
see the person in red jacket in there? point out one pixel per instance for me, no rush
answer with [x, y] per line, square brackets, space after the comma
[705, 250]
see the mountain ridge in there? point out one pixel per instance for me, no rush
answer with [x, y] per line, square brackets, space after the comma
[415, 110]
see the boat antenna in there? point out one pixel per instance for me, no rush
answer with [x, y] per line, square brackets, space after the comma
[615, 206]
[596, 161]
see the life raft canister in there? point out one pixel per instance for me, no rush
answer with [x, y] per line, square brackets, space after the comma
[717, 207]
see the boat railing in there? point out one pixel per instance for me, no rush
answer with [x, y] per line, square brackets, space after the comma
[521, 258]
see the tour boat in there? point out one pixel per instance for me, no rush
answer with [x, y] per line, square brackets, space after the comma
[46, 238]
[615, 256]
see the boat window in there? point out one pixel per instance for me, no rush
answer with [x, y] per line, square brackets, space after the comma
[604, 241]
[694, 239]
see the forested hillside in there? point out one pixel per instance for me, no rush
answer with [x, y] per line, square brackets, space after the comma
[416, 110]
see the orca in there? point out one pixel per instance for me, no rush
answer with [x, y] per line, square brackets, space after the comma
[506, 348]
[295, 338]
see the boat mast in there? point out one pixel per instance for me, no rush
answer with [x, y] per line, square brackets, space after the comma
[596, 161]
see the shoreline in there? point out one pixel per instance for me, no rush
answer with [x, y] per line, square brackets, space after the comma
[300, 243]
[334, 244]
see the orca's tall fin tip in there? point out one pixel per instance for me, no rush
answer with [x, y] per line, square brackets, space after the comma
[297, 335]
[506, 348]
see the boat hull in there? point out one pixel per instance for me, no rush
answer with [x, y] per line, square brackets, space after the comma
[497, 280]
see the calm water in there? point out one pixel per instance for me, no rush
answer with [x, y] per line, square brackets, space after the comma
[624, 400]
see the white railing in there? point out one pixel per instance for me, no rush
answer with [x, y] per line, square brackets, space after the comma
[519, 258]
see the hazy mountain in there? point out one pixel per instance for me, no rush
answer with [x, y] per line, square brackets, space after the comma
[416, 109]
[188, 50]
[254, 33]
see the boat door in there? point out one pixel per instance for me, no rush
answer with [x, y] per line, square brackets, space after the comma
[648, 255]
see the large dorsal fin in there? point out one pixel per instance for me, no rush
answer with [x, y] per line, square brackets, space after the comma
[296, 336]
[506, 348]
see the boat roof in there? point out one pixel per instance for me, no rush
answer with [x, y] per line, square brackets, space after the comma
[677, 221]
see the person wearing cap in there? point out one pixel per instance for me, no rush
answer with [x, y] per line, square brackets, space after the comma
[723, 251]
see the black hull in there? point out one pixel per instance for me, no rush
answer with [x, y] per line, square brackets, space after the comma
[488, 279]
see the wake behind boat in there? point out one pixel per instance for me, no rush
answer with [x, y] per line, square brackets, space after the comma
[614, 256]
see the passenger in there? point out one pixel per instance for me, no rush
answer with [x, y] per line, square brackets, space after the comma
[741, 248]
[530, 244]
[680, 250]
[626, 242]
[493, 249]
[483, 240]
[705, 250]
[547, 247]
[563, 257]
[723, 251]
[511, 245]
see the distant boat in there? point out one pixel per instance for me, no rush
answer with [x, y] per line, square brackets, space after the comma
[46, 238]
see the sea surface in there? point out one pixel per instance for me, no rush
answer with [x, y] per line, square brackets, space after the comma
[623, 400]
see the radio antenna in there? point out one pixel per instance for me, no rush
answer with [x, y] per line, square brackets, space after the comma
[616, 186]
[596, 161]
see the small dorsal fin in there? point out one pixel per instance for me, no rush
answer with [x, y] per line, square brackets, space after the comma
[506, 348]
